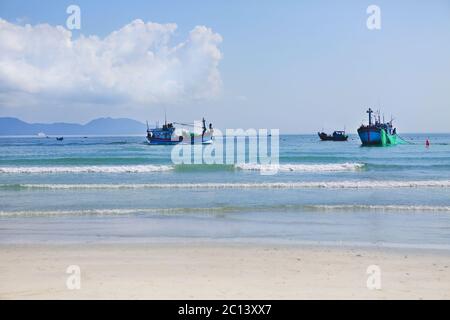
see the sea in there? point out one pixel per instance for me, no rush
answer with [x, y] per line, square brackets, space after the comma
[119, 189]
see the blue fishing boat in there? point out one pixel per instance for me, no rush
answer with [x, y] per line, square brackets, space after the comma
[336, 136]
[168, 134]
[377, 133]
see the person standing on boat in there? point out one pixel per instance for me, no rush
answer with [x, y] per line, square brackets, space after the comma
[204, 128]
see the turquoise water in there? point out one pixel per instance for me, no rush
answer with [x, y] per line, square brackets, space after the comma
[119, 189]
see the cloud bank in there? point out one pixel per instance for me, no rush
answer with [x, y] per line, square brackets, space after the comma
[136, 64]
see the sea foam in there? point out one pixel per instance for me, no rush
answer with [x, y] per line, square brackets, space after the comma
[357, 184]
[220, 210]
[88, 169]
[351, 207]
[160, 168]
[327, 167]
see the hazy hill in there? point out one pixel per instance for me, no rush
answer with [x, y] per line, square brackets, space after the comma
[14, 126]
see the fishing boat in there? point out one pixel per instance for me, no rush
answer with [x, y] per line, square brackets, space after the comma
[168, 134]
[377, 132]
[336, 136]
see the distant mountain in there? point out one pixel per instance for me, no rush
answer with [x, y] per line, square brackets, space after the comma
[14, 126]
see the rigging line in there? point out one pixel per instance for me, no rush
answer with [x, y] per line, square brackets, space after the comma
[187, 124]
[409, 142]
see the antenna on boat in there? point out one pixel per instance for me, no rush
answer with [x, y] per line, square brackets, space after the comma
[147, 124]
[370, 111]
[165, 116]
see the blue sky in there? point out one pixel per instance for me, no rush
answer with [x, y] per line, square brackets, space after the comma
[295, 65]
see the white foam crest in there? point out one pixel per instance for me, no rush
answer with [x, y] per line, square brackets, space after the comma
[88, 169]
[111, 212]
[361, 184]
[329, 167]
[35, 213]
[380, 207]
[159, 168]
[118, 212]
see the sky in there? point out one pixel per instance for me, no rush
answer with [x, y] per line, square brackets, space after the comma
[299, 66]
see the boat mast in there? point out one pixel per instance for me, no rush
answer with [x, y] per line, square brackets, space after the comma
[370, 111]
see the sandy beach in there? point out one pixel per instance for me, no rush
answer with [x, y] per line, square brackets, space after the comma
[216, 271]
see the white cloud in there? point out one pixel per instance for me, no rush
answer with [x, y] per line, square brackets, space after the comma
[137, 64]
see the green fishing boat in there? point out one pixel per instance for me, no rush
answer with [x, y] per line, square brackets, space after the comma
[377, 133]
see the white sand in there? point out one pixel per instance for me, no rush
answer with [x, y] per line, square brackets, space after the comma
[214, 271]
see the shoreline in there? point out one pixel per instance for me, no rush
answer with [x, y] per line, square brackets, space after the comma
[221, 271]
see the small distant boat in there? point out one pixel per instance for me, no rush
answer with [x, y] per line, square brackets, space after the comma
[42, 135]
[168, 134]
[60, 138]
[378, 133]
[336, 136]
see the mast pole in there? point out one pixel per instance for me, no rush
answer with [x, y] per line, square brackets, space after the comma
[370, 111]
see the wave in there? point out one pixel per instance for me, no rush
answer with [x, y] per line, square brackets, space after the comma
[135, 211]
[183, 168]
[395, 167]
[204, 167]
[137, 165]
[87, 212]
[141, 165]
[333, 167]
[88, 169]
[97, 212]
[222, 210]
[349, 207]
[357, 184]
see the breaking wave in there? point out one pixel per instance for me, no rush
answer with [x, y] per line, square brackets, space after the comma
[351, 207]
[183, 168]
[331, 167]
[359, 184]
[141, 211]
[88, 169]
[88, 212]
[222, 210]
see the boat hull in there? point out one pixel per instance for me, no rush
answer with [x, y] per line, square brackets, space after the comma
[193, 139]
[370, 137]
[326, 137]
[154, 141]
[376, 137]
